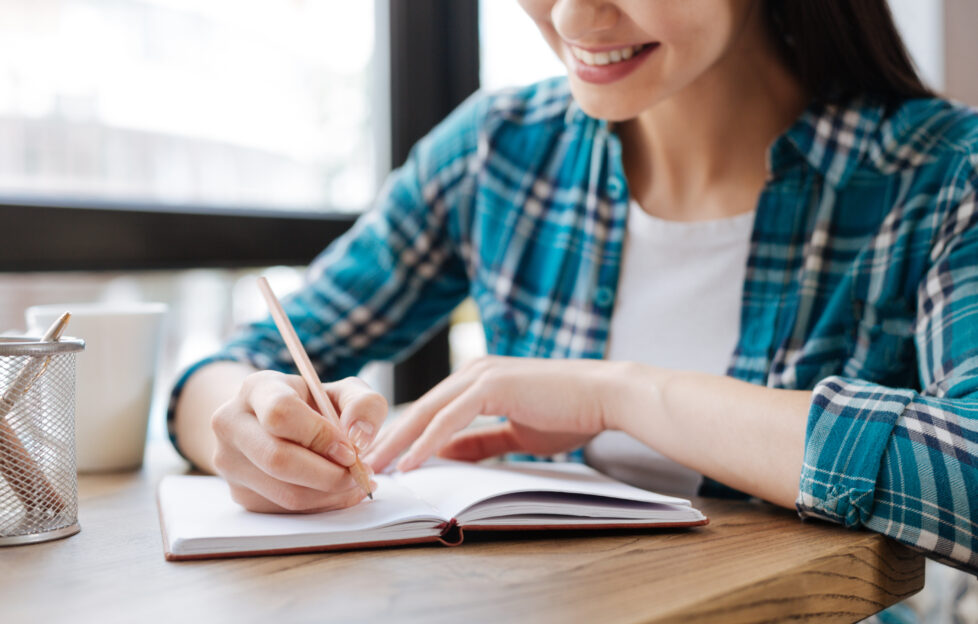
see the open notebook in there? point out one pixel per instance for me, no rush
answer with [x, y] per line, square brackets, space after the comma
[436, 502]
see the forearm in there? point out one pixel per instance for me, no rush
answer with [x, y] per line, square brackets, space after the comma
[205, 391]
[746, 436]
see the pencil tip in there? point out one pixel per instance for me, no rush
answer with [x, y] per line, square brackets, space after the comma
[371, 495]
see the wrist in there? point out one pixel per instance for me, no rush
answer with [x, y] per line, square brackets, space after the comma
[635, 396]
[205, 391]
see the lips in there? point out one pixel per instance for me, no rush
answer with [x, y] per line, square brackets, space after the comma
[603, 66]
[605, 57]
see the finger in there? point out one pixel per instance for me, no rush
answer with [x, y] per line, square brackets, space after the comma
[284, 414]
[239, 471]
[452, 418]
[257, 492]
[396, 436]
[258, 382]
[442, 394]
[362, 410]
[280, 459]
[476, 444]
[427, 406]
[252, 501]
[383, 437]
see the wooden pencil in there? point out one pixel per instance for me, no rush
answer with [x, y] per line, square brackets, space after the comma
[308, 373]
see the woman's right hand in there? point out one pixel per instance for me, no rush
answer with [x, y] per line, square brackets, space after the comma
[280, 455]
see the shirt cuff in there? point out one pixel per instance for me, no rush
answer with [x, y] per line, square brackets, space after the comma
[849, 426]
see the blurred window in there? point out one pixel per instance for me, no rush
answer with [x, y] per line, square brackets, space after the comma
[266, 103]
[513, 52]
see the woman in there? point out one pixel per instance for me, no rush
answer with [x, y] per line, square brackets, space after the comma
[759, 178]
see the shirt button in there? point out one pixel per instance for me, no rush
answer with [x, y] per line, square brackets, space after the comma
[604, 297]
[615, 188]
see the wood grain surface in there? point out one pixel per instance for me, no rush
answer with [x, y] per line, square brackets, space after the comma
[752, 563]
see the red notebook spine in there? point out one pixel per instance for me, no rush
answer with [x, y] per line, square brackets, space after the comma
[452, 534]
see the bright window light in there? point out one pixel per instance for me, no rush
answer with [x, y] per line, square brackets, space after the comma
[265, 103]
[513, 50]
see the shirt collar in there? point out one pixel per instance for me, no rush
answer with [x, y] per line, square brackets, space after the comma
[574, 115]
[831, 138]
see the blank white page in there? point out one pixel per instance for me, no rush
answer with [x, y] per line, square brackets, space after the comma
[199, 516]
[451, 487]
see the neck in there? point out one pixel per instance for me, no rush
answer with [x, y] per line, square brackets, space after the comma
[701, 153]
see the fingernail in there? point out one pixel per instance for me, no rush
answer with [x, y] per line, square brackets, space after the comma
[361, 433]
[342, 454]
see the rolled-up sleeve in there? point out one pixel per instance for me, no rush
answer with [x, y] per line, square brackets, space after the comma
[849, 428]
[904, 462]
[388, 283]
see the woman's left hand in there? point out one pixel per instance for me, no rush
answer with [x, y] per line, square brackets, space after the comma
[551, 406]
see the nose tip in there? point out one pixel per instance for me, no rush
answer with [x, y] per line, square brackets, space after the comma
[576, 20]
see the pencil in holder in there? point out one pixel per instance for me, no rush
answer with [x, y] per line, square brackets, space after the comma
[38, 479]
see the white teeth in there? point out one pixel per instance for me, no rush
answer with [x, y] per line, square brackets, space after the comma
[605, 58]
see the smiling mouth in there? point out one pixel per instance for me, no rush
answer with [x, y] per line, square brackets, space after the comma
[606, 57]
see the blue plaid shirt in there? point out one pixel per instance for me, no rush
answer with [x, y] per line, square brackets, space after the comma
[862, 284]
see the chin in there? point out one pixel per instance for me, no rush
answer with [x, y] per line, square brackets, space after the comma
[606, 104]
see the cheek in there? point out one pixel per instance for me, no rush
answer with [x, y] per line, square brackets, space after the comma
[695, 34]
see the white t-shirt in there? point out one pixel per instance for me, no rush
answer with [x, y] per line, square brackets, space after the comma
[678, 307]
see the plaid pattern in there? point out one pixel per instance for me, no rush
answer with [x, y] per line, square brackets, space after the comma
[862, 284]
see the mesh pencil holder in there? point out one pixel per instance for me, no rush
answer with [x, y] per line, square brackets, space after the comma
[38, 480]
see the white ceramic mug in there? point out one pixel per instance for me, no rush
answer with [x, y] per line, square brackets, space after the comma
[114, 377]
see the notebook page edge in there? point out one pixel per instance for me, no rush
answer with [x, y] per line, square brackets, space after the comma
[452, 487]
[224, 527]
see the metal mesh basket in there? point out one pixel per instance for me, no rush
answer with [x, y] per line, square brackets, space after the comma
[38, 481]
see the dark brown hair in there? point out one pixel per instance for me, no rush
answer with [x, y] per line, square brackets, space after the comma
[840, 49]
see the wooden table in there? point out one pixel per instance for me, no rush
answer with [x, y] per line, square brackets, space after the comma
[753, 562]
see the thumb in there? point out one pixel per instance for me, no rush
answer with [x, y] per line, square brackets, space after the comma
[476, 444]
